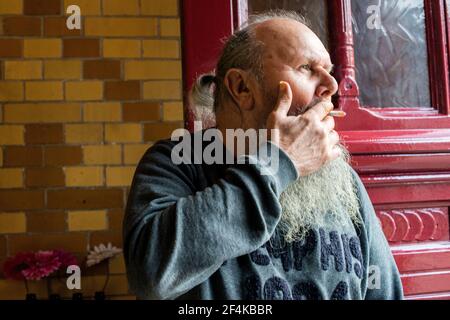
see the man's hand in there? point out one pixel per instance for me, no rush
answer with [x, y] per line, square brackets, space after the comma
[309, 139]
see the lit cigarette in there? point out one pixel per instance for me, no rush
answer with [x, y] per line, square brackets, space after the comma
[337, 114]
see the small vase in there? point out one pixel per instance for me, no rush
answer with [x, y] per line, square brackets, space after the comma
[54, 296]
[77, 296]
[100, 296]
[31, 297]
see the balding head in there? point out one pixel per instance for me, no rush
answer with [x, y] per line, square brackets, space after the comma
[283, 38]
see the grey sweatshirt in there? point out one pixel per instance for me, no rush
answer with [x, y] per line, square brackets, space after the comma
[197, 231]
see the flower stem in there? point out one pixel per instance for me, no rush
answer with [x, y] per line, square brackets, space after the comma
[107, 275]
[49, 287]
[26, 286]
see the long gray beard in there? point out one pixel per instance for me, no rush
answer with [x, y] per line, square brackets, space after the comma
[326, 196]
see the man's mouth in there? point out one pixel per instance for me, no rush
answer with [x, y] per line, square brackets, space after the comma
[296, 111]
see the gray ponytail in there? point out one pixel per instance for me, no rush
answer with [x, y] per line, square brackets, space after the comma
[202, 92]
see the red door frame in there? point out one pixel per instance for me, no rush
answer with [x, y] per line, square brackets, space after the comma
[402, 157]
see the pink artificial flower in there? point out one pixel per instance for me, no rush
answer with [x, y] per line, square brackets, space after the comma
[13, 267]
[37, 265]
[44, 263]
[66, 258]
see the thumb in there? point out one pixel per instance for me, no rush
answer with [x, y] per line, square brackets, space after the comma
[284, 100]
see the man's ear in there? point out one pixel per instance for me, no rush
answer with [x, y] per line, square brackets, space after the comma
[239, 88]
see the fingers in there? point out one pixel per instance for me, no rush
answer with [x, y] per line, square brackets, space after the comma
[333, 138]
[284, 98]
[328, 123]
[319, 111]
[335, 152]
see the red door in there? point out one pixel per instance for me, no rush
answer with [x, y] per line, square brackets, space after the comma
[392, 65]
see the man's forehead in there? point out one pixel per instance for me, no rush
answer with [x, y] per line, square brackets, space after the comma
[291, 40]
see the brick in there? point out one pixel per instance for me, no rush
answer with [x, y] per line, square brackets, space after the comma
[63, 155]
[44, 177]
[120, 7]
[153, 69]
[12, 290]
[46, 221]
[56, 27]
[84, 90]
[72, 242]
[11, 7]
[84, 199]
[22, 26]
[16, 70]
[98, 237]
[3, 248]
[83, 48]
[84, 133]
[133, 152]
[121, 48]
[102, 112]
[119, 176]
[11, 200]
[101, 69]
[115, 219]
[11, 135]
[173, 111]
[123, 132]
[117, 265]
[169, 27]
[42, 7]
[102, 154]
[44, 133]
[84, 176]
[42, 48]
[11, 178]
[87, 220]
[42, 112]
[159, 7]
[87, 7]
[44, 91]
[161, 49]
[119, 27]
[164, 90]
[158, 131]
[12, 222]
[22, 156]
[141, 111]
[11, 91]
[119, 287]
[11, 48]
[62, 69]
[122, 90]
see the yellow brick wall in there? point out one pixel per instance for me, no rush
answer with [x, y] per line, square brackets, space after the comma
[77, 111]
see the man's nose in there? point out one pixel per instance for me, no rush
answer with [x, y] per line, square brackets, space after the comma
[327, 87]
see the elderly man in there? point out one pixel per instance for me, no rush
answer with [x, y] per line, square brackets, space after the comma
[306, 230]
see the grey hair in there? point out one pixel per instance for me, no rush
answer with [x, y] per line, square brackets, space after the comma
[242, 51]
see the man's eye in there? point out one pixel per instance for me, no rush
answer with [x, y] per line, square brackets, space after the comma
[306, 67]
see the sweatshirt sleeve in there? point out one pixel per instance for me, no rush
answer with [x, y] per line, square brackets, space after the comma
[381, 275]
[176, 237]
